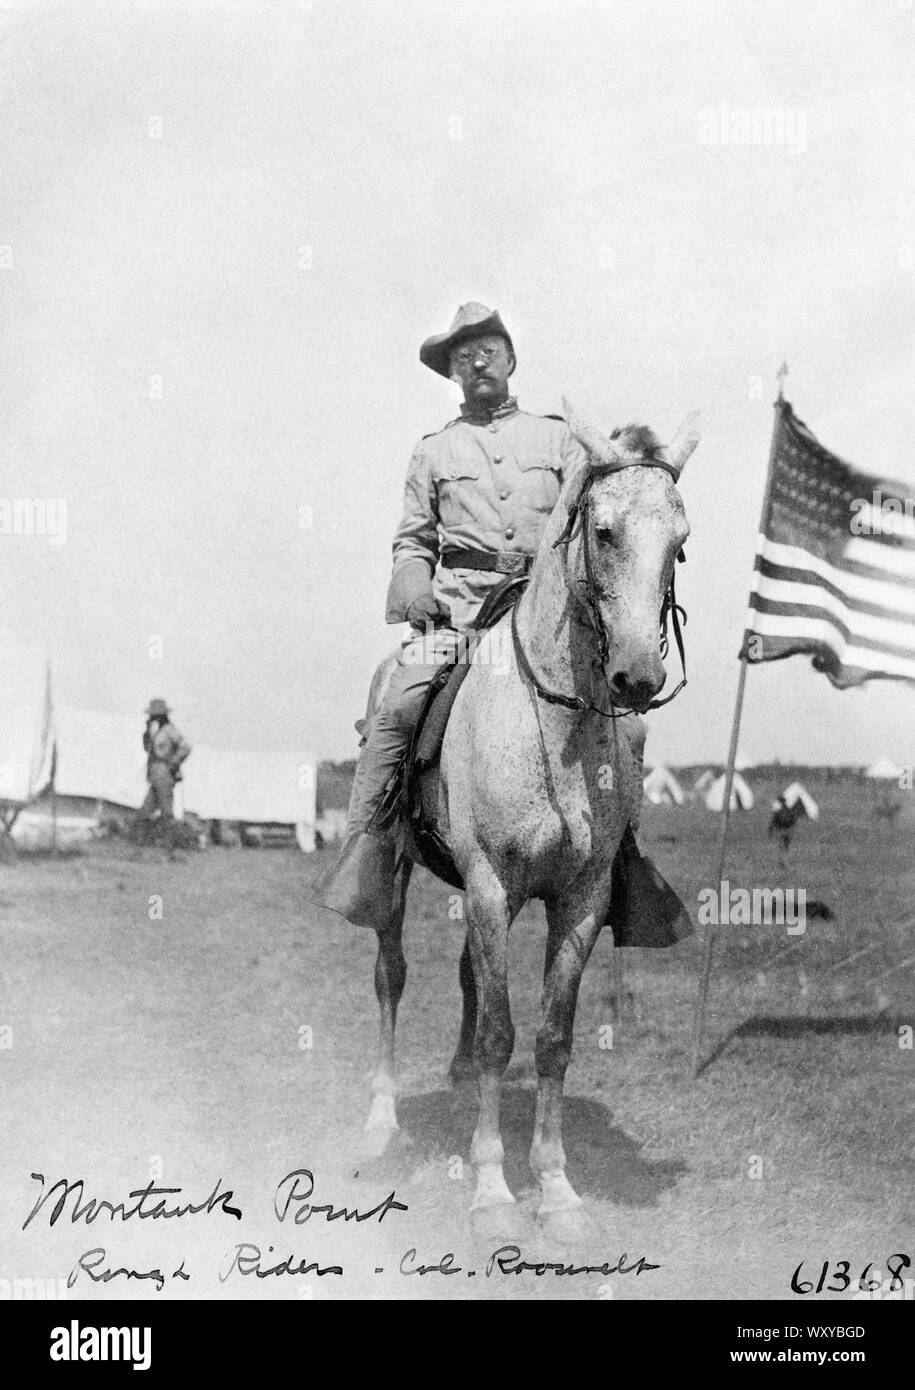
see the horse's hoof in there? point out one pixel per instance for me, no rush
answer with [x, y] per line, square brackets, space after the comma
[569, 1226]
[503, 1221]
[377, 1140]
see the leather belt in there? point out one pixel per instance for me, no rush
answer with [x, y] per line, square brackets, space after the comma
[495, 561]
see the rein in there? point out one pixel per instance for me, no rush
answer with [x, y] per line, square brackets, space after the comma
[670, 609]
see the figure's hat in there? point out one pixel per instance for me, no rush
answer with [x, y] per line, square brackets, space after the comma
[157, 708]
[471, 321]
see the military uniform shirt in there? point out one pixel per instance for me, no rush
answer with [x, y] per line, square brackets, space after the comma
[483, 484]
[168, 746]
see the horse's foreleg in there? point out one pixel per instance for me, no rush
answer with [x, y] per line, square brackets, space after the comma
[493, 1207]
[569, 945]
[462, 1062]
[390, 977]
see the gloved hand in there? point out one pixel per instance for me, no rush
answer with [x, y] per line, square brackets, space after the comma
[425, 609]
[411, 583]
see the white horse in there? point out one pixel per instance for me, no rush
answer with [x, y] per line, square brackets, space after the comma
[538, 784]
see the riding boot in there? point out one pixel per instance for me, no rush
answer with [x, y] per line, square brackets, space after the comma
[360, 885]
[644, 909]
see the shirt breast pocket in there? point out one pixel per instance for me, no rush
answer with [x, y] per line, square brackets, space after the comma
[457, 486]
[541, 481]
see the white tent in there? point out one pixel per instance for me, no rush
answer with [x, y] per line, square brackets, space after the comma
[742, 798]
[26, 722]
[255, 788]
[703, 782]
[100, 756]
[36, 827]
[885, 770]
[99, 762]
[742, 762]
[661, 788]
[798, 792]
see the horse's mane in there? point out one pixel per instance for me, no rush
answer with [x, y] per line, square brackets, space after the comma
[638, 439]
[635, 441]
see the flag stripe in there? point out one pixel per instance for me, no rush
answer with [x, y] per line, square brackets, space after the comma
[809, 633]
[880, 560]
[778, 581]
[878, 633]
[869, 640]
[866, 582]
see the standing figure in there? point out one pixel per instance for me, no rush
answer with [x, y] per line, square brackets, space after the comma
[166, 749]
[781, 826]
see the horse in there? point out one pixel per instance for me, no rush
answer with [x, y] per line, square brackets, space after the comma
[538, 782]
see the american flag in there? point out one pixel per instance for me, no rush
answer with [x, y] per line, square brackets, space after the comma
[835, 565]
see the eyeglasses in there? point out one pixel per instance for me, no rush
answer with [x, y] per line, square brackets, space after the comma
[465, 356]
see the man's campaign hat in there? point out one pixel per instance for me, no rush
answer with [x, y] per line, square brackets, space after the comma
[471, 321]
[157, 709]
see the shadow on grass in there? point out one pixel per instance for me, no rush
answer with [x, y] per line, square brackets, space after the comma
[603, 1160]
[790, 1027]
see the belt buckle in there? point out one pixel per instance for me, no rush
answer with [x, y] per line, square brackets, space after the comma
[510, 564]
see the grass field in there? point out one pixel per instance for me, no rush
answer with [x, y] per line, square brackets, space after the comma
[171, 1046]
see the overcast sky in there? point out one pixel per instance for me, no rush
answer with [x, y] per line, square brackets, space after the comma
[230, 225]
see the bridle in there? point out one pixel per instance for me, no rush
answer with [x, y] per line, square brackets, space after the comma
[579, 519]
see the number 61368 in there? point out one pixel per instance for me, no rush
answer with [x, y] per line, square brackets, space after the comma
[842, 1280]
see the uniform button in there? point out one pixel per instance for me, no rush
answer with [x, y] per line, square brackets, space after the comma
[497, 458]
[493, 428]
[502, 495]
[509, 533]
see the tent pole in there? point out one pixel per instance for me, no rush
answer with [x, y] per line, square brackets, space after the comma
[699, 1017]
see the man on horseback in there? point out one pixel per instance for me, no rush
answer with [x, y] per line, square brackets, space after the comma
[533, 789]
[478, 496]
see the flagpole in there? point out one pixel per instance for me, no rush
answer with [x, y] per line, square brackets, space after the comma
[699, 1016]
[53, 810]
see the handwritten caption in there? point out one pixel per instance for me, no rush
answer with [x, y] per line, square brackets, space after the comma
[66, 1202]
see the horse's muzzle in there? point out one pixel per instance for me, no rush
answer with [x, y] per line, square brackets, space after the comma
[635, 694]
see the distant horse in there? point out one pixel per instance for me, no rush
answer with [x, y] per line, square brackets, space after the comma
[538, 784]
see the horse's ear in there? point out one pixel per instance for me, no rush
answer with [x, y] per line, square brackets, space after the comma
[683, 442]
[601, 449]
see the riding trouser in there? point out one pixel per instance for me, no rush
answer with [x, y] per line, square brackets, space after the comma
[389, 731]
